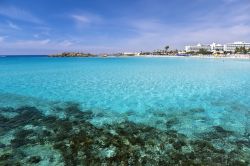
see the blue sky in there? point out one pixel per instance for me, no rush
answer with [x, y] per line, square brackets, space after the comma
[99, 26]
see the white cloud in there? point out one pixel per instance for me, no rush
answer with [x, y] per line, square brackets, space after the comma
[18, 14]
[84, 19]
[36, 44]
[80, 18]
[13, 26]
[28, 44]
[48, 46]
[156, 37]
[65, 43]
[223, 24]
[226, 22]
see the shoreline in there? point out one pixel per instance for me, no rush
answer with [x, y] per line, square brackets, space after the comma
[173, 56]
[233, 56]
[193, 56]
[245, 56]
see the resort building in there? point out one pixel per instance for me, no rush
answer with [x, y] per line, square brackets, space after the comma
[217, 47]
[232, 46]
[131, 54]
[197, 48]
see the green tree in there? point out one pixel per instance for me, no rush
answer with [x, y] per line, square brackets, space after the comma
[166, 48]
[204, 51]
[241, 50]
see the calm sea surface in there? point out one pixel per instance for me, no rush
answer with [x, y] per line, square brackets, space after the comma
[200, 99]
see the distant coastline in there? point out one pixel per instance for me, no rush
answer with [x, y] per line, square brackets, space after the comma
[231, 56]
[239, 50]
[85, 55]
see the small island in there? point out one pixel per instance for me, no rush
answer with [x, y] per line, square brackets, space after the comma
[73, 54]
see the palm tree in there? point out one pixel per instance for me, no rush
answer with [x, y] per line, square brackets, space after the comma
[166, 48]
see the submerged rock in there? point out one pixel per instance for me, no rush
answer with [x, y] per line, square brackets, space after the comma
[73, 140]
[34, 159]
[197, 110]
[172, 122]
[222, 131]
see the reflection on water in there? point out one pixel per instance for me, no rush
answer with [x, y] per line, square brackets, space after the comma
[28, 136]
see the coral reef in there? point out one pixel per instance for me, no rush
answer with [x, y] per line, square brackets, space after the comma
[28, 137]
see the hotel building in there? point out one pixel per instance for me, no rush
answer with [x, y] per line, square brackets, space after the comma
[197, 48]
[217, 47]
[230, 47]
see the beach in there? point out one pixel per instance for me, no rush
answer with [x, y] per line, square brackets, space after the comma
[236, 56]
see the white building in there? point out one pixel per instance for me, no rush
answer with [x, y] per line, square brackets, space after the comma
[131, 53]
[232, 46]
[217, 47]
[197, 48]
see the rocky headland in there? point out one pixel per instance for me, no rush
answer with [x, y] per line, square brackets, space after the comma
[72, 54]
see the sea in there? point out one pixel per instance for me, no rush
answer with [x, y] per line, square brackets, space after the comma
[124, 111]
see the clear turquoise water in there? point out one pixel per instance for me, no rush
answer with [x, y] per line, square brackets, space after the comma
[135, 88]
[204, 99]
